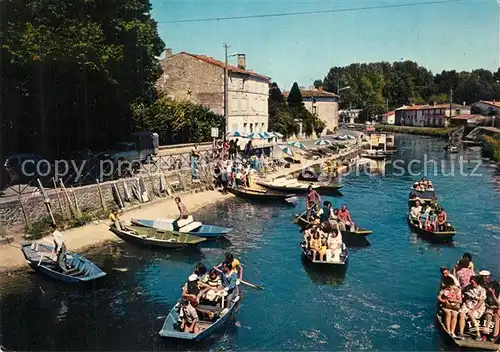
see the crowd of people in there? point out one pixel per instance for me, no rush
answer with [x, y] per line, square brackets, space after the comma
[215, 288]
[322, 245]
[467, 296]
[427, 215]
[327, 216]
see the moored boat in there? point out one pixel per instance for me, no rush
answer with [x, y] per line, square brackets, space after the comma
[297, 187]
[342, 260]
[451, 149]
[80, 269]
[262, 195]
[374, 154]
[184, 226]
[156, 238]
[444, 236]
[212, 318]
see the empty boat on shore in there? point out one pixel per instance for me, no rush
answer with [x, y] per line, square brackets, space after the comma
[79, 269]
[183, 226]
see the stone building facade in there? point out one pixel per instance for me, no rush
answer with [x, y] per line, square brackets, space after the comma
[200, 79]
[323, 104]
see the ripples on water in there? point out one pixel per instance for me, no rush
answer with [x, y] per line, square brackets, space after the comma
[384, 300]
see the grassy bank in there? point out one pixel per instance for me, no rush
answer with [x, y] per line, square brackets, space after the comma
[423, 131]
[491, 147]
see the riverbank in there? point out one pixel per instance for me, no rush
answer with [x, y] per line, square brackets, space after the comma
[491, 147]
[78, 239]
[442, 132]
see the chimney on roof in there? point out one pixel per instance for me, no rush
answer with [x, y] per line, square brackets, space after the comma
[320, 88]
[463, 103]
[168, 52]
[242, 62]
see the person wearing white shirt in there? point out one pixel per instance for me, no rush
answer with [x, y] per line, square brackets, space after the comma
[60, 247]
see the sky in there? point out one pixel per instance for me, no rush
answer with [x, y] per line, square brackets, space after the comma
[462, 36]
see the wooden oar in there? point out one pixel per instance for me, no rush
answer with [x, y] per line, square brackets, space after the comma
[245, 283]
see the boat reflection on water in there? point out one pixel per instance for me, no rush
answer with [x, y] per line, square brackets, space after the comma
[324, 275]
[417, 241]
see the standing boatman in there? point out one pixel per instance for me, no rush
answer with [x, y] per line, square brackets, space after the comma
[312, 199]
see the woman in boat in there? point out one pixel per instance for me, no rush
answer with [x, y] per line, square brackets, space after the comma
[200, 270]
[468, 257]
[189, 317]
[334, 246]
[450, 299]
[464, 273]
[446, 273]
[473, 307]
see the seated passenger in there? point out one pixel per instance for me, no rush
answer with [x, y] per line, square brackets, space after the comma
[315, 245]
[473, 306]
[191, 290]
[450, 299]
[200, 270]
[415, 212]
[189, 317]
[212, 287]
[492, 301]
[464, 273]
[345, 219]
[467, 256]
[334, 244]
[493, 309]
[446, 273]
[429, 226]
[323, 249]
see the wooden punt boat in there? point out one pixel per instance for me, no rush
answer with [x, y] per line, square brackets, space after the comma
[430, 235]
[375, 155]
[359, 233]
[262, 195]
[469, 342]
[156, 238]
[81, 269]
[207, 326]
[297, 187]
[184, 226]
[308, 177]
[344, 256]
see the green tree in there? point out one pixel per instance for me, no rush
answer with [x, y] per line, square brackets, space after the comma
[295, 97]
[176, 121]
[276, 101]
[318, 83]
[319, 126]
[71, 71]
[286, 123]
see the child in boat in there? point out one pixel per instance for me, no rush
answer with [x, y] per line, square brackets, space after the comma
[212, 287]
[189, 317]
[315, 245]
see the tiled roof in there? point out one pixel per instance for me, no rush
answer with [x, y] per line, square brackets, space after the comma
[429, 107]
[313, 93]
[212, 61]
[492, 103]
[389, 113]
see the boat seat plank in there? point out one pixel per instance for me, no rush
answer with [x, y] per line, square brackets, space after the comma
[207, 308]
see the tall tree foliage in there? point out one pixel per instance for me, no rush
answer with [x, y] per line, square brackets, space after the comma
[378, 86]
[71, 69]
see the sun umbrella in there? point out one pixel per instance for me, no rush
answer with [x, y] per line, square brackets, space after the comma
[297, 144]
[236, 134]
[286, 149]
[322, 141]
[255, 135]
[267, 135]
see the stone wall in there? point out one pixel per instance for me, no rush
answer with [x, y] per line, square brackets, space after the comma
[89, 200]
[186, 77]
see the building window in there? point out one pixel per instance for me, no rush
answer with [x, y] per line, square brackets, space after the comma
[234, 105]
[244, 104]
[245, 127]
[251, 128]
[262, 128]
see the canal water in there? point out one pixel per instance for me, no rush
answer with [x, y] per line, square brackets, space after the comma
[384, 301]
